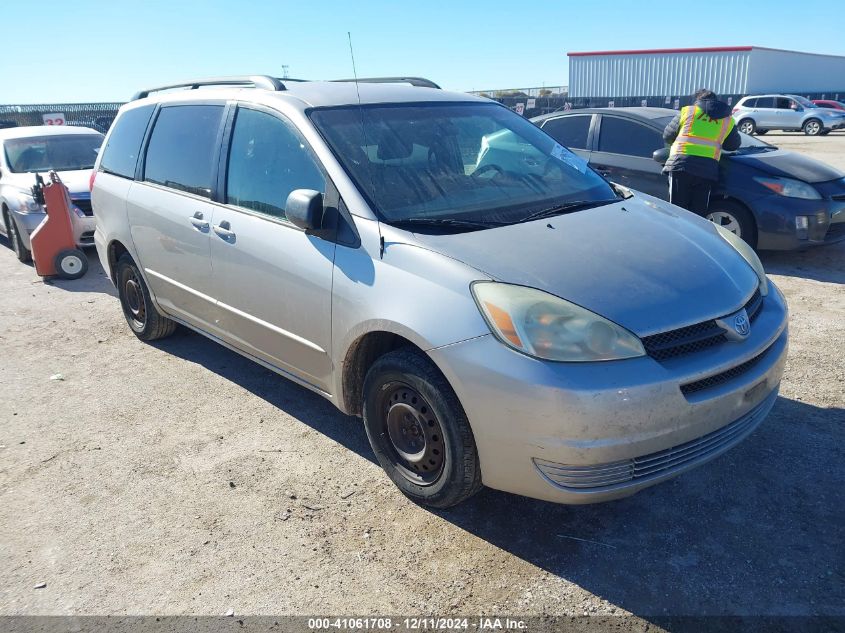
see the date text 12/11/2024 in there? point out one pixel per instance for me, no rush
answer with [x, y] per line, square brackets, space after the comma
[483, 623]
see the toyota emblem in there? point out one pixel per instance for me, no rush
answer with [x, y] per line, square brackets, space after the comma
[741, 324]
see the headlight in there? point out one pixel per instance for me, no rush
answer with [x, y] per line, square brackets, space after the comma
[545, 326]
[747, 254]
[27, 205]
[789, 188]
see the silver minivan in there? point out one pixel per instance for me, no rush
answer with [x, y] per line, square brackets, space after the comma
[497, 313]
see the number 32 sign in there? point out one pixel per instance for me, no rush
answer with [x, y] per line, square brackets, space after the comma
[56, 118]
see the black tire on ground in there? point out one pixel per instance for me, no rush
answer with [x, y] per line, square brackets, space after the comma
[419, 431]
[731, 215]
[747, 126]
[812, 127]
[71, 263]
[761, 132]
[143, 318]
[23, 254]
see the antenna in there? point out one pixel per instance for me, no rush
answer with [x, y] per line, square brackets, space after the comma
[364, 136]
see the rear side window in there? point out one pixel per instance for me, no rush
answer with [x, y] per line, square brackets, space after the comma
[182, 148]
[268, 160]
[766, 102]
[620, 136]
[570, 131]
[120, 156]
[750, 103]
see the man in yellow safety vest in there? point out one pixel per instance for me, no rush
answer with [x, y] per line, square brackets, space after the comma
[698, 134]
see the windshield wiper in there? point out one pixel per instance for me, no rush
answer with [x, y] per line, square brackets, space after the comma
[447, 222]
[567, 207]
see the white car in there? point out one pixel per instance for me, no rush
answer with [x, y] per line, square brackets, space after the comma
[27, 151]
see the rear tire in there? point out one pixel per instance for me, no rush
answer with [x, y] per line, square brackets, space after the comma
[747, 126]
[71, 263]
[23, 254]
[143, 317]
[735, 218]
[419, 431]
[812, 127]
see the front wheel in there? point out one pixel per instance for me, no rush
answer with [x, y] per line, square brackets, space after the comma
[813, 127]
[419, 431]
[23, 254]
[735, 219]
[143, 318]
[747, 126]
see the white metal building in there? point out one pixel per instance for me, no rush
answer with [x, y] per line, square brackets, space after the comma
[737, 70]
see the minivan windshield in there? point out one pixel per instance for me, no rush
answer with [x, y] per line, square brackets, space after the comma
[457, 165]
[43, 153]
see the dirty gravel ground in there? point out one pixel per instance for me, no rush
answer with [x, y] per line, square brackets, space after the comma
[180, 478]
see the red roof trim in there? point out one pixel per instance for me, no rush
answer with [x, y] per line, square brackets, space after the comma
[655, 51]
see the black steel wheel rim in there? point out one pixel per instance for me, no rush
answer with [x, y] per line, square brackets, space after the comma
[413, 433]
[135, 306]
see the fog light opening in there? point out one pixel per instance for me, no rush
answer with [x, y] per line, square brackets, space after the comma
[802, 227]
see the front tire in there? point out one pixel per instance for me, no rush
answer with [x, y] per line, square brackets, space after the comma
[735, 218]
[143, 317]
[23, 254]
[812, 127]
[419, 431]
[747, 126]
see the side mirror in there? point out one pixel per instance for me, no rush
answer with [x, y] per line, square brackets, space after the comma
[304, 208]
[661, 155]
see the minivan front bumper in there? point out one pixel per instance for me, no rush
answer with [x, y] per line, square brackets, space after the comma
[590, 432]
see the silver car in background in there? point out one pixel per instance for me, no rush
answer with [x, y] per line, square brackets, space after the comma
[496, 311]
[27, 151]
[760, 113]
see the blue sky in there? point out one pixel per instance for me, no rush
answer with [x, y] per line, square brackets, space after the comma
[106, 50]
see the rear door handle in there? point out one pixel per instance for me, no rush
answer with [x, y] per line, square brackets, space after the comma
[223, 231]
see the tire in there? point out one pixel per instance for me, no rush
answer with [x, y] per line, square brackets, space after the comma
[419, 431]
[761, 132]
[747, 126]
[71, 263]
[23, 254]
[735, 218]
[143, 318]
[812, 127]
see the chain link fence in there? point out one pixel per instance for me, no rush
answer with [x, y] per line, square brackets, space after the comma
[98, 116]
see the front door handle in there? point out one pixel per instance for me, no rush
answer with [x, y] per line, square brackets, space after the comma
[198, 222]
[223, 231]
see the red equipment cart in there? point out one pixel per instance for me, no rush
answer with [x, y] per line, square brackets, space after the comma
[53, 245]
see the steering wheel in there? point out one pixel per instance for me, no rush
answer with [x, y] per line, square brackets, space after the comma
[489, 167]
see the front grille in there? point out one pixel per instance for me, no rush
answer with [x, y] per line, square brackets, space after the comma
[718, 379]
[694, 338]
[661, 463]
[835, 233]
[84, 205]
[87, 237]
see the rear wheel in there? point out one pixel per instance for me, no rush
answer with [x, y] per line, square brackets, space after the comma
[22, 252]
[419, 431]
[812, 127]
[735, 218]
[747, 126]
[143, 318]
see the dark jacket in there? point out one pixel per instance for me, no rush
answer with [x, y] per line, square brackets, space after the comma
[700, 166]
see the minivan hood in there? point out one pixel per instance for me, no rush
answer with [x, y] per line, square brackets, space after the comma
[790, 165]
[641, 263]
[76, 180]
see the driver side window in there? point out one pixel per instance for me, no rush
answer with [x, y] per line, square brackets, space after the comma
[267, 160]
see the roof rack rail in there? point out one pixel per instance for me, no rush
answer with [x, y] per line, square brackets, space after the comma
[414, 81]
[264, 82]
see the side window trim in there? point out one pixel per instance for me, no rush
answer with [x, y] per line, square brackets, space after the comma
[215, 161]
